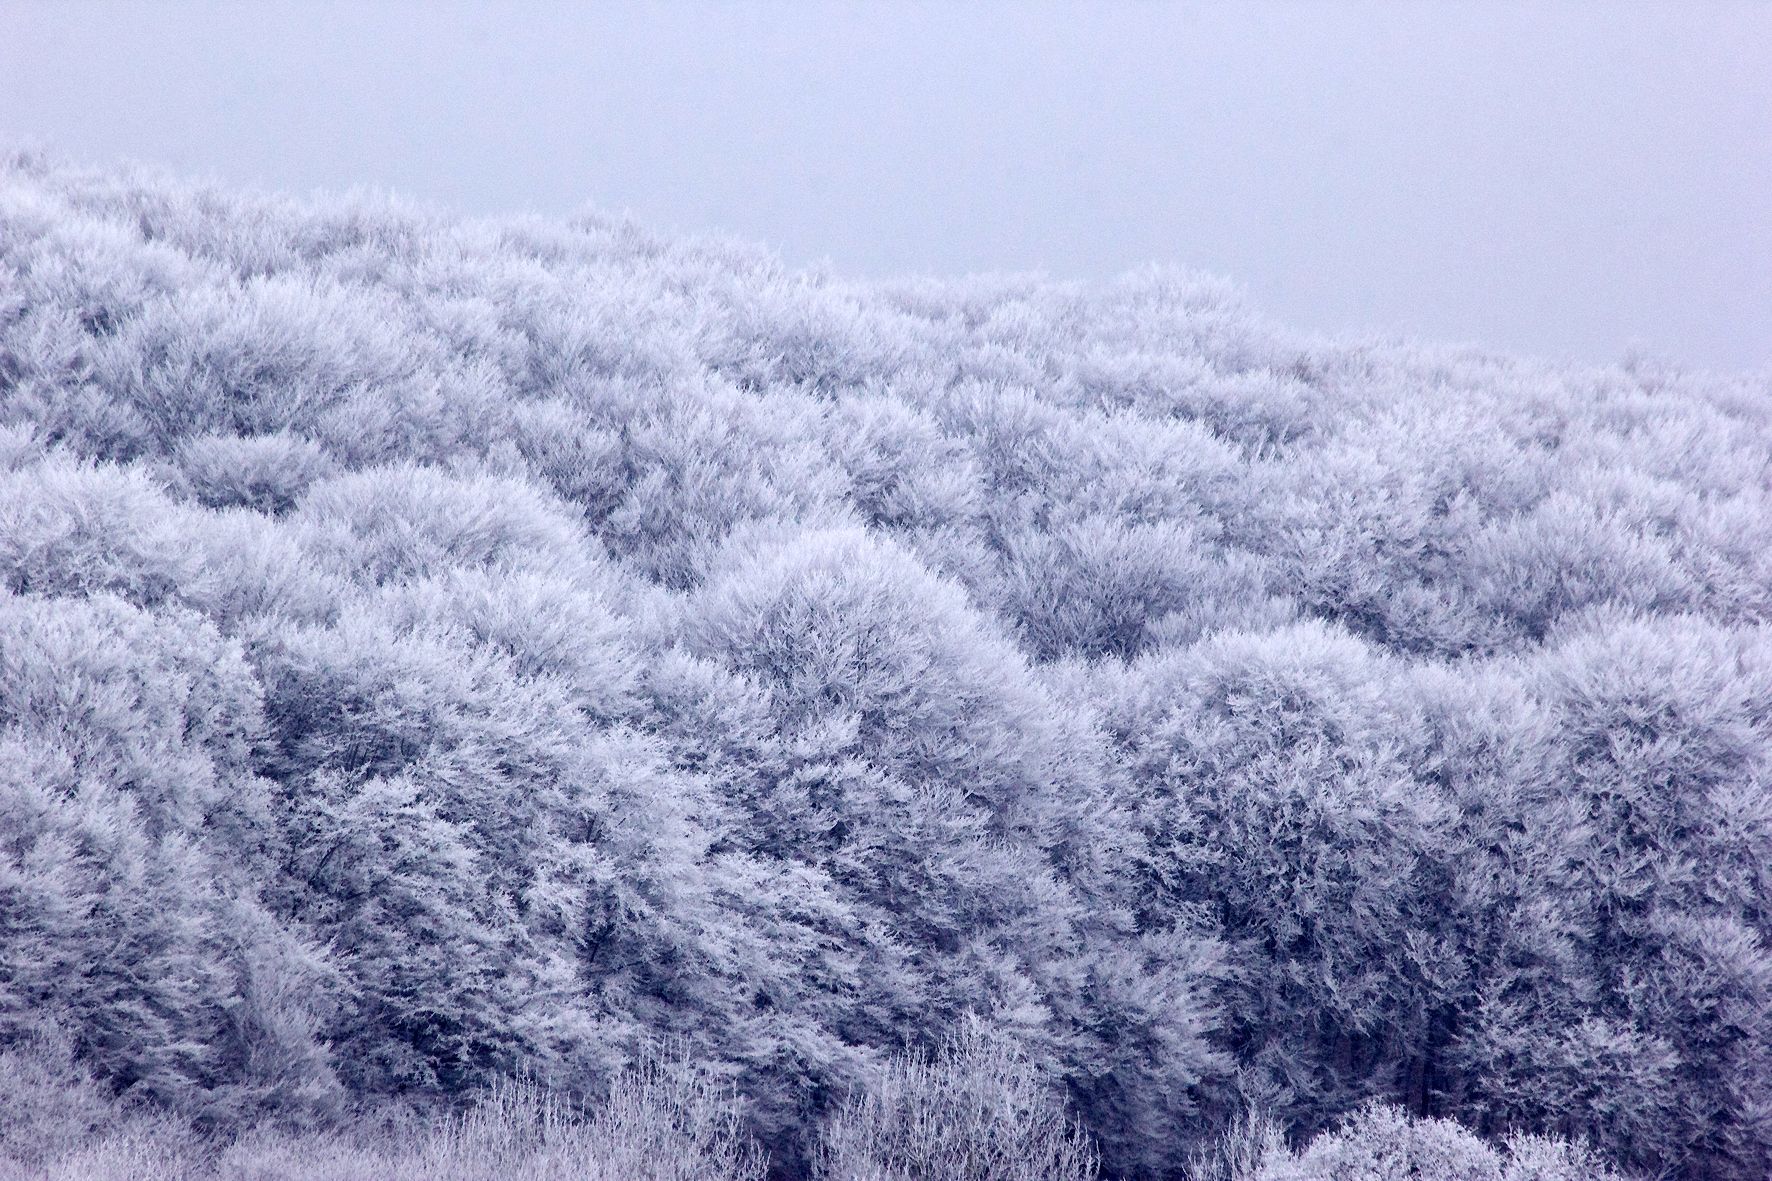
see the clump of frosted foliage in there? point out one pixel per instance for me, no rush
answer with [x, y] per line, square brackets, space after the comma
[1383, 1143]
[976, 1112]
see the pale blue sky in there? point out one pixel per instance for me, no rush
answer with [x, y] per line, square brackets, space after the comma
[1570, 179]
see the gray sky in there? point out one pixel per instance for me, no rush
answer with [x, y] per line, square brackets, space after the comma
[1570, 179]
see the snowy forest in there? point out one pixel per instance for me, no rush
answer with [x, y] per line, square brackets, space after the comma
[533, 698]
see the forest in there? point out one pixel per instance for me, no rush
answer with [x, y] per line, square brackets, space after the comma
[534, 698]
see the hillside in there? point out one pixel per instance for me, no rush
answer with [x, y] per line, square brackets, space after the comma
[436, 652]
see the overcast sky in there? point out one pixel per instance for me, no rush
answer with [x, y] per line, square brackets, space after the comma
[1569, 179]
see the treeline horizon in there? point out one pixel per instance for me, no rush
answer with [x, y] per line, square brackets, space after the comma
[437, 653]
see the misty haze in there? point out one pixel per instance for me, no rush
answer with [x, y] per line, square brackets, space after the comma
[1581, 180]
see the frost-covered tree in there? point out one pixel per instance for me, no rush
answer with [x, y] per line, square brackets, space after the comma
[897, 743]
[1661, 747]
[1278, 815]
[136, 839]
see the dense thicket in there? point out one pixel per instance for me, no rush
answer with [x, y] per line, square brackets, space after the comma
[439, 651]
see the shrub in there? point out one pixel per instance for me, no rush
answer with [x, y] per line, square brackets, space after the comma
[1383, 1144]
[978, 1112]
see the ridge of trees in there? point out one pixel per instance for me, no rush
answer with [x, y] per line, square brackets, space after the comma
[436, 653]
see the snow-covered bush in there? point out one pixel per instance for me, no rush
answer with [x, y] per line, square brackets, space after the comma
[976, 1112]
[1384, 1144]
